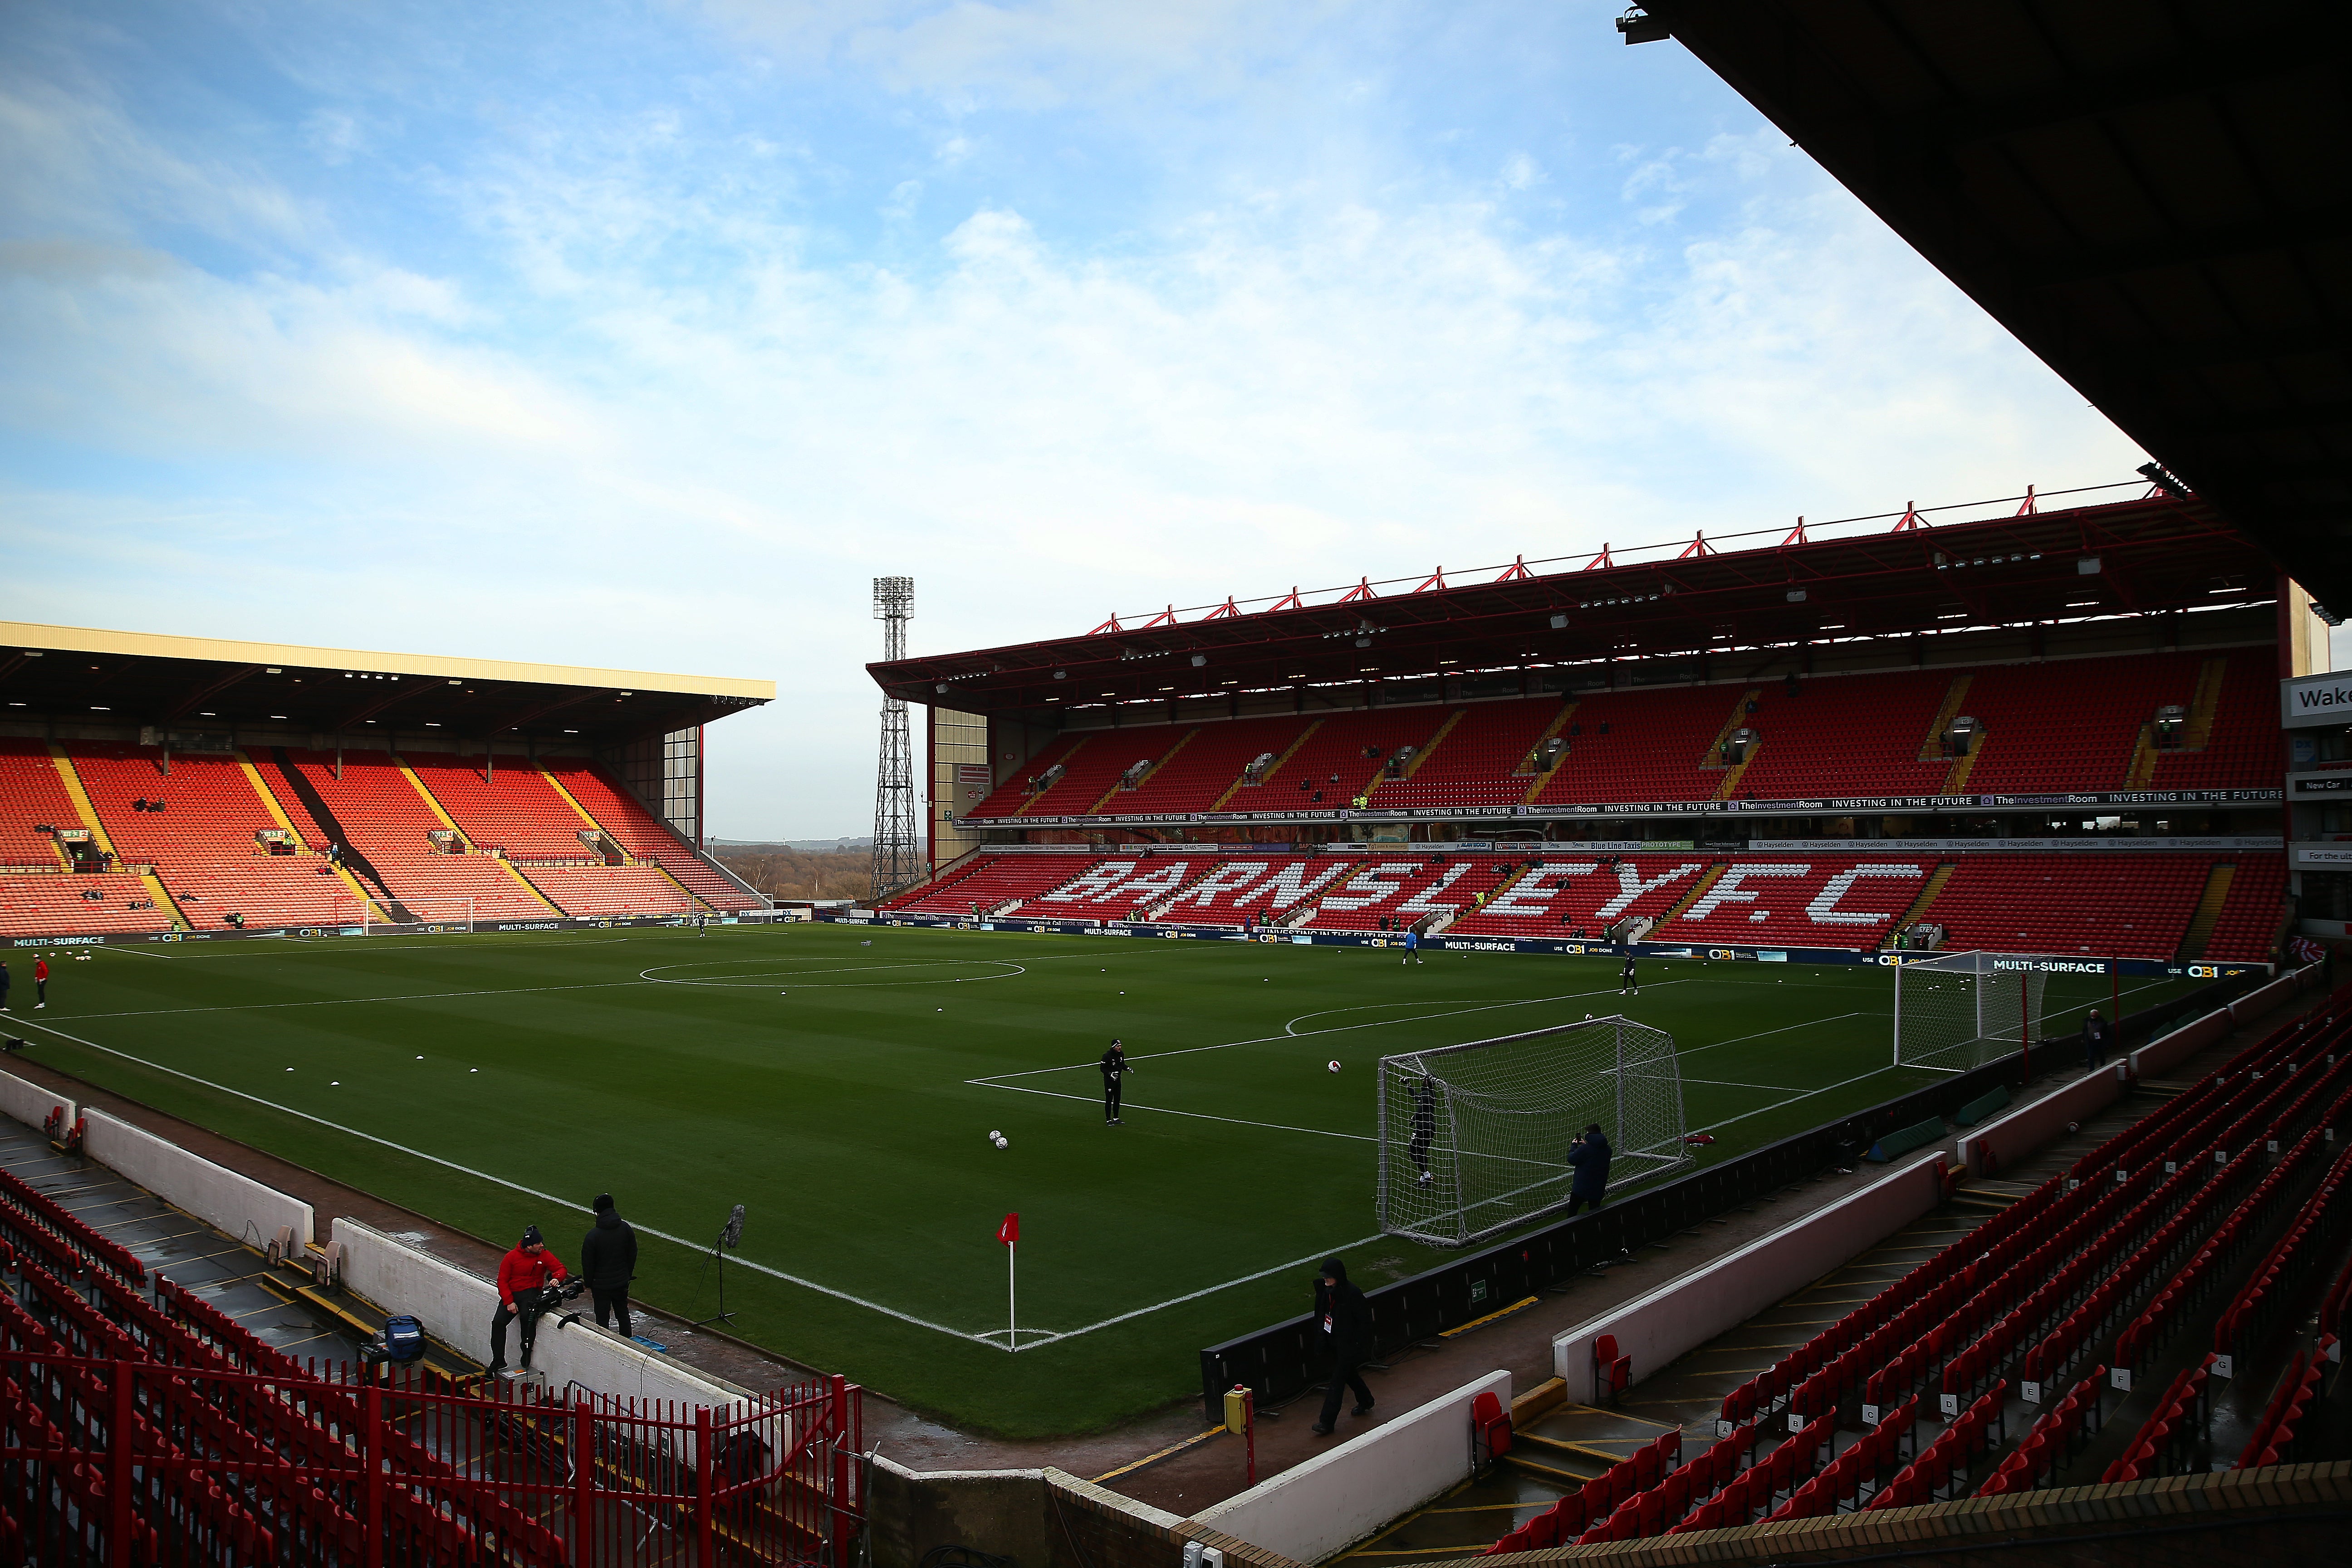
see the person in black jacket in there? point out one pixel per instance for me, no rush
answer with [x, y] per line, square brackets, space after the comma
[1589, 1156]
[2098, 1039]
[1114, 1063]
[1424, 1126]
[1340, 1313]
[608, 1261]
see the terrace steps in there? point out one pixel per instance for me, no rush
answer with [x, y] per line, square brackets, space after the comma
[1919, 909]
[2209, 912]
[1158, 762]
[1023, 809]
[83, 809]
[1287, 752]
[1931, 746]
[1527, 764]
[1707, 878]
[1435, 741]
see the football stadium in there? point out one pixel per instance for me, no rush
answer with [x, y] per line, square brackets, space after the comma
[1817, 1042]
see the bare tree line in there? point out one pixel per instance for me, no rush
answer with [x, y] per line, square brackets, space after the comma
[799, 874]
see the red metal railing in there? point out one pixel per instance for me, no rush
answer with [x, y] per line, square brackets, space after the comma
[121, 1462]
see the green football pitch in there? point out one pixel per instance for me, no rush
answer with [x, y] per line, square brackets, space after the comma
[840, 1082]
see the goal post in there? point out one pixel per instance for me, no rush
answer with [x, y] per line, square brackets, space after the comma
[1960, 1010]
[429, 917]
[1474, 1138]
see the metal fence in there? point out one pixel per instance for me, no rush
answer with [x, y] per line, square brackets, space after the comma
[119, 1462]
[1286, 1358]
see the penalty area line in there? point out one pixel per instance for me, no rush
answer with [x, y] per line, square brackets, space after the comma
[1195, 1115]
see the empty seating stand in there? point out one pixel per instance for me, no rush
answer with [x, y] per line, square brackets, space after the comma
[206, 840]
[989, 882]
[388, 821]
[1972, 1373]
[2043, 727]
[642, 834]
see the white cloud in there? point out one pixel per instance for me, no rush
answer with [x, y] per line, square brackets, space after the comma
[657, 417]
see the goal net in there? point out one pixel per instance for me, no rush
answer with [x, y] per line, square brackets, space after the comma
[1962, 1010]
[1474, 1138]
[429, 917]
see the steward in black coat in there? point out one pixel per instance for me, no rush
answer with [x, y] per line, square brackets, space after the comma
[1342, 1314]
[608, 1261]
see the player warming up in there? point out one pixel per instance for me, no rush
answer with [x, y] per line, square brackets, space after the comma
[1114, 1062]
[1424, 1126]
[41, 983]
[1412, 947]
[1627, 985]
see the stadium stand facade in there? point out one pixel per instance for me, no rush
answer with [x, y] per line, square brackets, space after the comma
[2139, 905]
[316, 816]
[1950, 735]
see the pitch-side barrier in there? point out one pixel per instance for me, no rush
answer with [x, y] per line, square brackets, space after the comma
[1285, 1360]
[1730, 953]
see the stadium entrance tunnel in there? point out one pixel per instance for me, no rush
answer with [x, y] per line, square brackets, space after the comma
[814, 973]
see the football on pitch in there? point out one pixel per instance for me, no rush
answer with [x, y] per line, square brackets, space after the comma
[1004, 1143]
[1333, 1066]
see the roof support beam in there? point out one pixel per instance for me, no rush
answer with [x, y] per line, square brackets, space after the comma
[211, 689]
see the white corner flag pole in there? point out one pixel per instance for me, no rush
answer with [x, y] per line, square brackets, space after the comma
[1012, 1299]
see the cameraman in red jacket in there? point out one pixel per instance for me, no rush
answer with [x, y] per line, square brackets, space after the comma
[522, 1275]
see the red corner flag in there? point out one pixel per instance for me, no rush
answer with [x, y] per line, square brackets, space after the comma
[1010, 1231]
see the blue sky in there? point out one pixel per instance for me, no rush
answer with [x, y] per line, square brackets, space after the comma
[646, 335]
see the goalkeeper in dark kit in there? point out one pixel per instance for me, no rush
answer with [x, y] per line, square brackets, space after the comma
[1424, 1126]
[1114, 1063]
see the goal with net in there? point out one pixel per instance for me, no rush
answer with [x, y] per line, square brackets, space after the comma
[1961, 1010]
[1474, 1138]
[427, 917]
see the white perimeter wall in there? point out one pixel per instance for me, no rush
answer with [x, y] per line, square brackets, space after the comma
[1340, 1496]
[248, 1210]
[456, 1307]
[1687, 1311]
[29, 1102]
[1996, 1145]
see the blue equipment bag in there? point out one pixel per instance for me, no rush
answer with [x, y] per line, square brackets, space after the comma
[404, 1339]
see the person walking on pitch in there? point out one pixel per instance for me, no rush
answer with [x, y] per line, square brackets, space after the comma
[1589, 1157]
[1114, 1062]
[4, 986]
[1627, 985]
[1412, 947]
[1347, 1325]
[41, 983]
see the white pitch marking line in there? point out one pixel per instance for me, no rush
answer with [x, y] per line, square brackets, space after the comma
[992, 1080]
[1195, 1115]
[1762, 1034]
[357, 1001]
[1792, 1100]
[695, 1247]
[806, 976]
[1212, 1289]
[1728, 1083]
[511, 1186]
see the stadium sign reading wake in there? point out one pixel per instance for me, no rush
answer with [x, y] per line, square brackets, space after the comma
[2311, 701]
